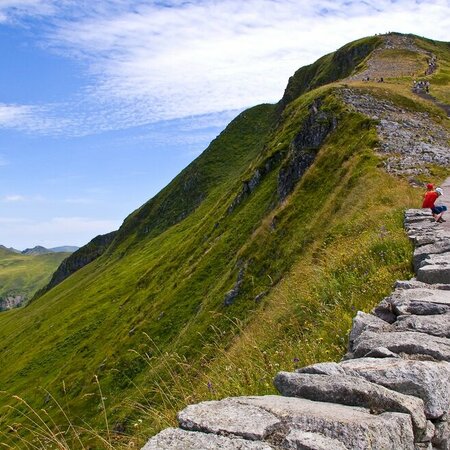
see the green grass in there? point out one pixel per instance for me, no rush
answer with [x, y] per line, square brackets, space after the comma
[23, 274]
[143, 330]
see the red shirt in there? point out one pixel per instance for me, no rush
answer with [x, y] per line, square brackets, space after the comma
[430, 198]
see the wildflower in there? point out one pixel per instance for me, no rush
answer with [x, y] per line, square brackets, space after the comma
[296, 360]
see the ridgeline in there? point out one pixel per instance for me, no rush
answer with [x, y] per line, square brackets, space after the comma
[254, 259]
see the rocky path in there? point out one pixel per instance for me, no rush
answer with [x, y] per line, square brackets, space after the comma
[390, 392]
[409, 140]
[385, 63]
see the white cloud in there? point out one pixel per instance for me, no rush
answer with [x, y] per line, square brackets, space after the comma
[22, 233]
[33, 118]
[13, 198]
[149, 62]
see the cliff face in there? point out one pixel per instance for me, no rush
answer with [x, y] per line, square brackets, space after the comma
[77, 260]
[252, 260]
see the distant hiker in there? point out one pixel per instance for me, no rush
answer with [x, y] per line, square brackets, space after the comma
[429, 202]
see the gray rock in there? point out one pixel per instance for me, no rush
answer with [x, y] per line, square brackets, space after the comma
[381, 352]
[352, 391]
[228, 417]
[441, 438]
[354, 427]
[427, 380]
[176, 439]
[365, 322]
[384, 311]
[403, 342]
[435, 269]
[437, 325]
[429, 432]
[410, 284]
[304, 440]
[419, 301]
[327, 368]
[423, 252]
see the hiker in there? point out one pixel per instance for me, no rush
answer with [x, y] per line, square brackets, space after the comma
[429, 202]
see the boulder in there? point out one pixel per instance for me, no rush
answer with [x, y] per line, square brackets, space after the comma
[228, 417]
[365, 322]
[427, 380]
[403, 342]
[176, 439]
[437, 325]
[352, 391]
[354, 427]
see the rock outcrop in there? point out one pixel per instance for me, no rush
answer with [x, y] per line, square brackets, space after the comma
[391, 391]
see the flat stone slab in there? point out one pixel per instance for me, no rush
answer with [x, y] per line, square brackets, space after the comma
[304, 440]
[403, 342]
[420, 301]
[354, 427]
[437, 325]
[425, 251]
[228, 417]
[435, 269]
[352, 391]
[176, 439]
[428, 380]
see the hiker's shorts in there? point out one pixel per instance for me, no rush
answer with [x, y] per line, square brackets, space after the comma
[438, 209]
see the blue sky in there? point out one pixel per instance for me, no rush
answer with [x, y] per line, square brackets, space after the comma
[103, 102]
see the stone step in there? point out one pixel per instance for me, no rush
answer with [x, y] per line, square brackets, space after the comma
[428, 380]
[353, 391]
[437, 325]
[435, 269]
[353, 427]
[176, 439]
[403, 343]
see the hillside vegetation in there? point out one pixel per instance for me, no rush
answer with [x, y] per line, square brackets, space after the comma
[22, 275]
[254, 258]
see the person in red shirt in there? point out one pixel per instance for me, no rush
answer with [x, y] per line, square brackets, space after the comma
[429, 202]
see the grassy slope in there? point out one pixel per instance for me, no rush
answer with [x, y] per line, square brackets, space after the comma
[23, 274]
[148, 318]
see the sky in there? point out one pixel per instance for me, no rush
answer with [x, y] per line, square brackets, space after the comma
[103, 102]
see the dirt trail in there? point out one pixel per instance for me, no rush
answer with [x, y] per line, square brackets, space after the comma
[429, 97]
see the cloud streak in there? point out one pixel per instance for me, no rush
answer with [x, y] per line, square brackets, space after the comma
[149, 62]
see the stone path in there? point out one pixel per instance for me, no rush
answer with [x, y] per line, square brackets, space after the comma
[390, 392]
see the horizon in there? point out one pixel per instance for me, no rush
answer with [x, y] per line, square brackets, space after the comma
[102, 105]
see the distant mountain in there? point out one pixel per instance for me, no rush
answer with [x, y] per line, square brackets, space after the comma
[64, 249]
[39, 250]
[9, 249]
